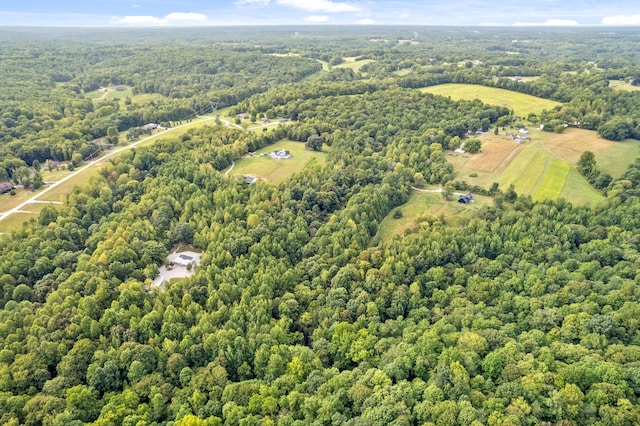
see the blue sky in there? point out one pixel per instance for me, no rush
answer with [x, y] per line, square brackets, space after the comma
[280, 12]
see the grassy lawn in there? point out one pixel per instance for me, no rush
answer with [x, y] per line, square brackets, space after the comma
[60, 192]
[429, 204]
[275, 171]
[7, 201]
[521, 103]
[419, 203]
[15, 221]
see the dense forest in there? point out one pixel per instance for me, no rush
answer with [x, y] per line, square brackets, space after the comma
[526, 313]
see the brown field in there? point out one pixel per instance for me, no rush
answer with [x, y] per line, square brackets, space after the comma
[573, 142]
[495, 152]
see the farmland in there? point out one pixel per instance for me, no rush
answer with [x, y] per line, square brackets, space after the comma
[544, 166]
[520, 103]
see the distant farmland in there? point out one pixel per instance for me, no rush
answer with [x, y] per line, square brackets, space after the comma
[544, 166]
[520, 103]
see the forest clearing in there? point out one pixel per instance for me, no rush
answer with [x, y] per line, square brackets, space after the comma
[273, 170]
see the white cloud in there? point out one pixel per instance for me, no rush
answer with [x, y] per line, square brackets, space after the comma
[175, 18]
[621, 20]
[253, 2]
[140, 20]
[366, 22]
[549, 23]
[316, 18]
[189, 16]
[320, 5]
[135, 6]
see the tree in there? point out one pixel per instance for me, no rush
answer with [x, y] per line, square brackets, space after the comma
[314, 142]
[472, 145]
[587, 164]
[182, 233]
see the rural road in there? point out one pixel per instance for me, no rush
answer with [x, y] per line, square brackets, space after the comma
[92, 163]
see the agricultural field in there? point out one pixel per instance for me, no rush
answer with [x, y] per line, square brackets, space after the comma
[520, 103]
[276, 171]
[544, 166]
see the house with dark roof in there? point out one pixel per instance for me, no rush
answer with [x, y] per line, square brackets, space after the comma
[465, 198]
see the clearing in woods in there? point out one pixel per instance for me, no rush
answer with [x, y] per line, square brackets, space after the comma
[276, 171]
[422, 205]
[520, 103]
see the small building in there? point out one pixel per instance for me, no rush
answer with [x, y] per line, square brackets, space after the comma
[265, 120]
[459, 151]
[150, 127]
[120, 88]
[280, 154]
[282, 120]
[250, 179]
[243, 116]
[465, 198]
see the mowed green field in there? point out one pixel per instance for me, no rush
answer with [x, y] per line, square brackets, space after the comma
[276, 171]
[520, 103]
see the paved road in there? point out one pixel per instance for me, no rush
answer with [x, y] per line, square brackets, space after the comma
[92, 163]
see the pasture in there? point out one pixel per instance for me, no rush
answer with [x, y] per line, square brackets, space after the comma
[520, 103]
[276, 171]
[544, 166]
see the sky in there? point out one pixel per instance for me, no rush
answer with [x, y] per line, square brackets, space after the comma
[315, 12]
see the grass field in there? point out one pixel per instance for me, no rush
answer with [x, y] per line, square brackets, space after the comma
[112, 94]
[275, 171]
[552, 181]
[60, 192]
[353, 63]
[522, 104]
[15, 221]
[623, 85]
[430, 204]
[402, 72]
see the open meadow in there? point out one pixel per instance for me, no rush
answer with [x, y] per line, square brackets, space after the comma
[275, 171]
[520, 103]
